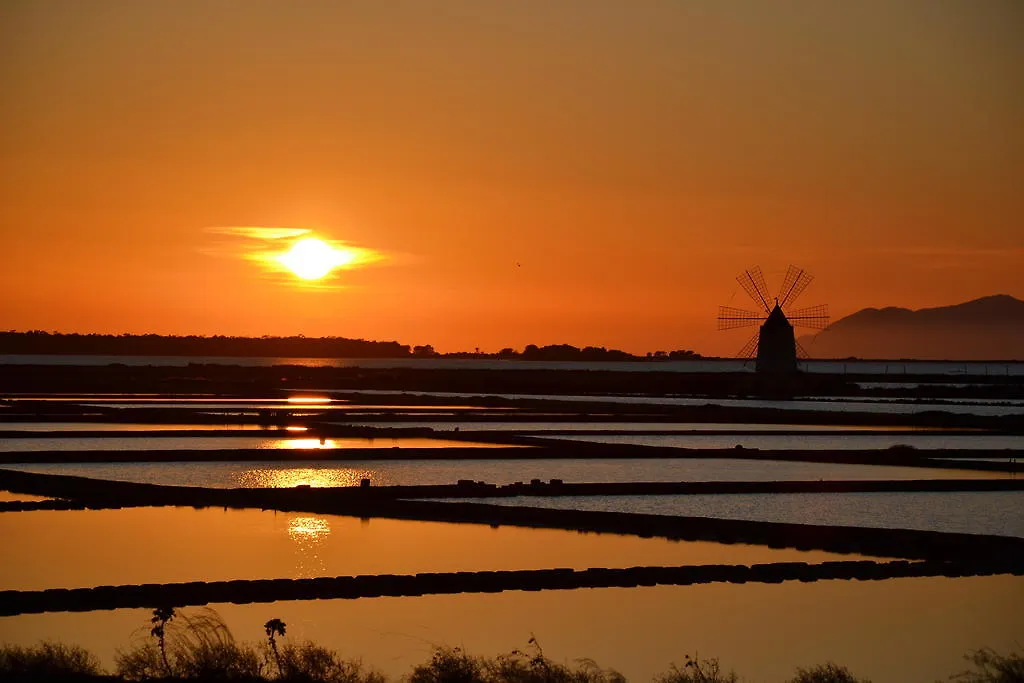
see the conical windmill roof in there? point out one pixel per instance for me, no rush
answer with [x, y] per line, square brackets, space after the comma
[776, 318]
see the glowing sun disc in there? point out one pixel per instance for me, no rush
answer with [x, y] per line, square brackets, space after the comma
[312, 259]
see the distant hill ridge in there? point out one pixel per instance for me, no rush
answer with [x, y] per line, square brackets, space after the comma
[989, 328]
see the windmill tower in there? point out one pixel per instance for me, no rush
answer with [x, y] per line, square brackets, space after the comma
[774, 344]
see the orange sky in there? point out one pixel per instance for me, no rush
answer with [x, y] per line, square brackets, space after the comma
[631, 157]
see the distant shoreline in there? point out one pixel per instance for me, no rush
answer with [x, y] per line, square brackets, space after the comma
[48, 343]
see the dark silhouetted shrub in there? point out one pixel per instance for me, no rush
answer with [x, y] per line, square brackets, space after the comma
[196, 647]
[697, 670]
[534, 667]
[449, 665]
[826, 673]
[316, 664]
[992, 667]
[47, 661]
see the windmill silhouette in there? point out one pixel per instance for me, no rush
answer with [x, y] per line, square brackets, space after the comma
[774, 344]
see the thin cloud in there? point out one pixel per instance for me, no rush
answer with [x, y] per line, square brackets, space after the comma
[269, 247]
[953, 252]
[260, 233]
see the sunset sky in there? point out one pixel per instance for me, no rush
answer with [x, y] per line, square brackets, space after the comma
[587, 172]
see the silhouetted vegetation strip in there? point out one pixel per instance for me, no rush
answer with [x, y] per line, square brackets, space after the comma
[199, 646]
[48, 661]
[209, 652]
[38, 342]
[44, 343]
[369, 502]
[369, 586]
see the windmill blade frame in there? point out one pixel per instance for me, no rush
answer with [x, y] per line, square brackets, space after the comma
[753, 283]
[793, 285]
[813, 317]
[730, 318]
[749, 349]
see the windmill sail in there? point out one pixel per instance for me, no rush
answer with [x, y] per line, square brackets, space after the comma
[814, 317]
[730, 318]
[752, 281]
[793, 285]
[749, 349]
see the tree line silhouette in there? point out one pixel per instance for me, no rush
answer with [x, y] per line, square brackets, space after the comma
[38, 342]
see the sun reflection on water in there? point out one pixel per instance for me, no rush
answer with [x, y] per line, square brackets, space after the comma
[304, 476]
[300, 444]
[308, 534]
[308, 529]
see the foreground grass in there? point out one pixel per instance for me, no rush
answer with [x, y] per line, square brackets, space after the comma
[200, 647]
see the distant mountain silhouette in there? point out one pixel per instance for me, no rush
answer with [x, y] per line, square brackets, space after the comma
[990, 328]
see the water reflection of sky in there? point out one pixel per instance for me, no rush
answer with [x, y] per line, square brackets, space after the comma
[10, 497]
[442, 471]
[827, 404]
[967, 512]
[845, 441]
[191, 443]
[885, 631]
[75, 548]
[563, 426]
[129, 427]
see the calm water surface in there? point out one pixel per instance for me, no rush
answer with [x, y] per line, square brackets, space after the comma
[193, 443]
[76, 548]
[9, 497]
[823, 405]
[848, 441]
[991, 512]
[130, 427]
[953, 368]
[556, 427]
[278, 474]
[893, 631]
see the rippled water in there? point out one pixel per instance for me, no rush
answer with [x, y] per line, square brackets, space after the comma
[423, 472]
[990, 512]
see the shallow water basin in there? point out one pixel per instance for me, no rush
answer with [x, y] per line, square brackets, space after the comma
[81, 548]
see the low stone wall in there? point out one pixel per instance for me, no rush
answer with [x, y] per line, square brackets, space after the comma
[370, 586]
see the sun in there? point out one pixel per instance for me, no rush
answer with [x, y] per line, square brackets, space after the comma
[312, 259]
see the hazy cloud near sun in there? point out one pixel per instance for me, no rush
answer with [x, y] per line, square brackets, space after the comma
[284, 253]
[260, 233]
